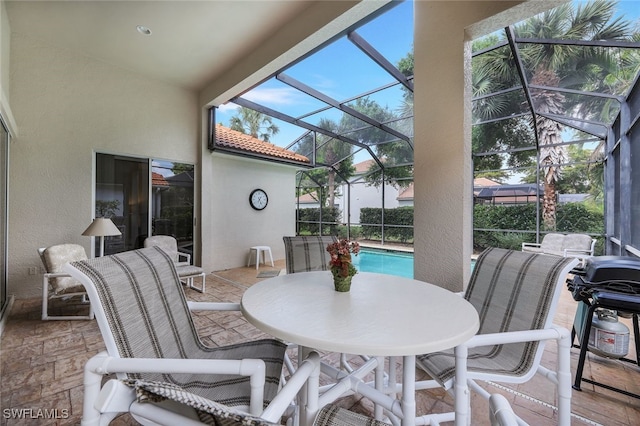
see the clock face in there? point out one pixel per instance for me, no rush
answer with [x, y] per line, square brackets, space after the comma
[258, 199]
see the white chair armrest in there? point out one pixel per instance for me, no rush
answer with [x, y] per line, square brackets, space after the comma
[49, 275]
[555, 332]
[577, 252]
[255, 369]
[104, 364]
[525, 245]
[185, 256]
[213, 306]
[117, 397]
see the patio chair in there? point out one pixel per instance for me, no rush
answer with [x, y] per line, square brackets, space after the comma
[150, 336]
[59, 285]
[580, 246]
[516, 295]
[186, 271]
[307, 253]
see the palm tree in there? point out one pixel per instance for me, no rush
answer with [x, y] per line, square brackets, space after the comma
[254, 123]
[553, 65]
[335, 154]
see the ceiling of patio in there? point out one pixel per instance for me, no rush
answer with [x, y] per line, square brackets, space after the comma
[192, 43]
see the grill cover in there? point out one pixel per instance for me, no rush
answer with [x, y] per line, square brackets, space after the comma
[620, 274]
[612, 268]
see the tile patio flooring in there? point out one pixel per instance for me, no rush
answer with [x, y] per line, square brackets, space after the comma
[41, 365]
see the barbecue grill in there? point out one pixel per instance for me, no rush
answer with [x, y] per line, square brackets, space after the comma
[605, 287]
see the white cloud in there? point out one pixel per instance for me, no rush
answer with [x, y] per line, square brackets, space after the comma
[228, 107]
[274, 96]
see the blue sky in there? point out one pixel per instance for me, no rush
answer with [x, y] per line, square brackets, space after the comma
[342, 71]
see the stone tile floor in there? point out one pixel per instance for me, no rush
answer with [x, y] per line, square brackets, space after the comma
[41, 366]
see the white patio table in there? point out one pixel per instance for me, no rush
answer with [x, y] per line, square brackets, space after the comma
[383, 315]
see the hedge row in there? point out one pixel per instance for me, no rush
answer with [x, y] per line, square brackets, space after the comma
[398, 223]
[570, 218]
[308, 221]
[506, 226]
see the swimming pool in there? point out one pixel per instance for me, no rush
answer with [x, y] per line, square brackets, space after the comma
[385, 262]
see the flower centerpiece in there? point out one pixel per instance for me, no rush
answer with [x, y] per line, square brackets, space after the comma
[341, 266]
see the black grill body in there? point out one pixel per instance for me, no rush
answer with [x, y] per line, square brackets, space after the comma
[609, 282]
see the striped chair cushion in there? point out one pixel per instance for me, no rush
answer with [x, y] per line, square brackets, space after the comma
[332, 415]
[209, 412]
[304, 254]
[512, 291]
[148, 316]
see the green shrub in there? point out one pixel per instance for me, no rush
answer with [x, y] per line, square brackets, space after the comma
[505, 224]
[398, 223]
[309, 221]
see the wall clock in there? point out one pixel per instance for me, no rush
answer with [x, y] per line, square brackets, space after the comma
[258, 199]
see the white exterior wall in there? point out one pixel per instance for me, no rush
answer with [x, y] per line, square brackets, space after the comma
[67, 107]
[235, 225]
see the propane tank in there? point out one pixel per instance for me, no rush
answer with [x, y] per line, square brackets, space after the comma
[608, 337]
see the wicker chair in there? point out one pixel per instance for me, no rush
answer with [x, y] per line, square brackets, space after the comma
[149, 335]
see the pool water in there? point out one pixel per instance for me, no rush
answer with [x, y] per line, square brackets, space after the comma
[385, 262]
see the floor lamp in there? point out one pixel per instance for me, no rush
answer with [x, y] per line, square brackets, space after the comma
[101, 227]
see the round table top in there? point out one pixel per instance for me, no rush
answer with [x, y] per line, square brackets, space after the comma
[382, 315]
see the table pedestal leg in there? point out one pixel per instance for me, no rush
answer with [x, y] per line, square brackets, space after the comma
[409, 391]
[379, 384]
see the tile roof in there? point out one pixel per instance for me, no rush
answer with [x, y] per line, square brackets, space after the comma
[363, 166]
[158, 180]
[309, 198]
[484, 182]
[237, 140]
[406, 194]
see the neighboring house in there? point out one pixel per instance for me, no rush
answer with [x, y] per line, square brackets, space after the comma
[405, 198]
[362, 195]
[365, 195]
[486, 191]
[308, 201]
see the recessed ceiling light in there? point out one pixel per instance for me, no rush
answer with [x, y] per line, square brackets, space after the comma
[143, 30]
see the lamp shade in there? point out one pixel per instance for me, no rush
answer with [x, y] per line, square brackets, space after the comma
[101, 227]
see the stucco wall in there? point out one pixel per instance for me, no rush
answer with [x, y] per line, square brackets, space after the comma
[233, 225]
[66, 107]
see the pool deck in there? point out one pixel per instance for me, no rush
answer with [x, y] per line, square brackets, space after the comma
[390, 247]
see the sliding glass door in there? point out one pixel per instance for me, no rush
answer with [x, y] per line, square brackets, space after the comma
[122, 194]
[172, 202]
[143, 197]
